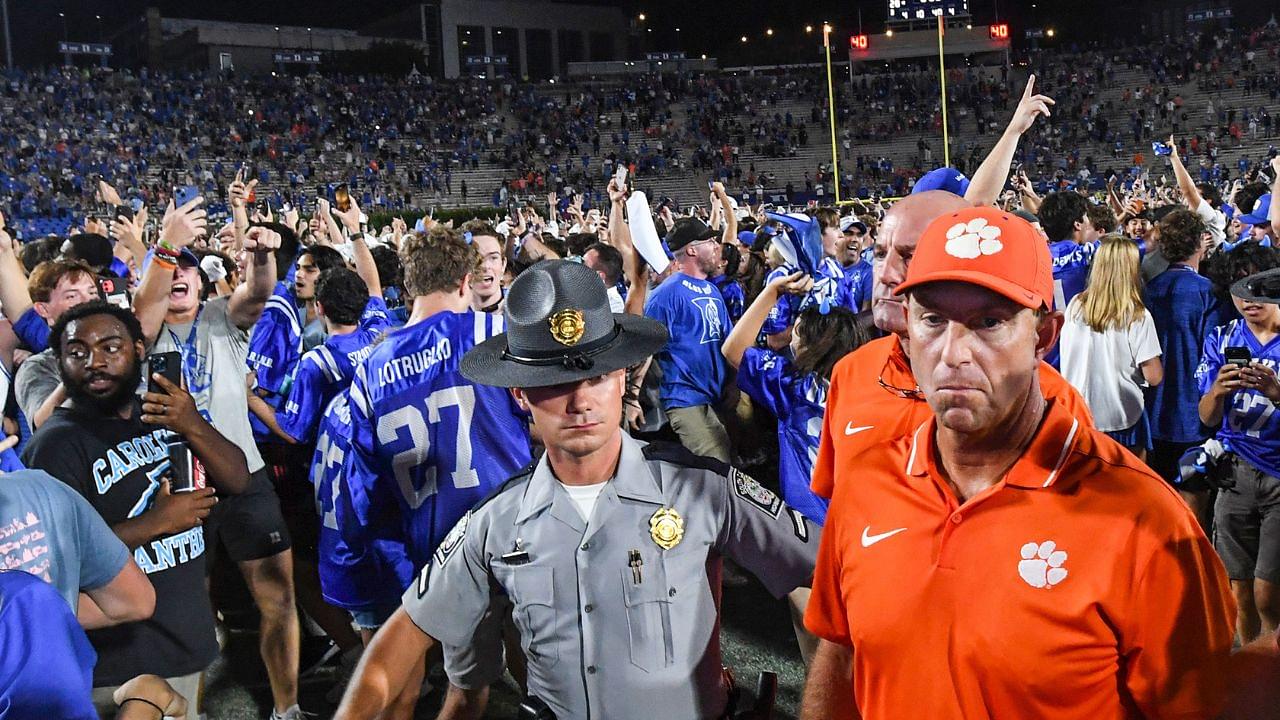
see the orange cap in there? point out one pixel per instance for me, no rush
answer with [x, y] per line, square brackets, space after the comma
[988, 247]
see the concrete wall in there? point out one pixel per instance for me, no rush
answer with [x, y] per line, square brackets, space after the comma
[523, 15]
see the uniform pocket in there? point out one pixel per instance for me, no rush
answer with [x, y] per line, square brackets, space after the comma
[648, 621]
[535, 613]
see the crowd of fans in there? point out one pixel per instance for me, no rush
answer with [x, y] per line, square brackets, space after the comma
[193, 377]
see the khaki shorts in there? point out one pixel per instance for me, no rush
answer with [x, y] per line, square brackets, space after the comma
[701, 431]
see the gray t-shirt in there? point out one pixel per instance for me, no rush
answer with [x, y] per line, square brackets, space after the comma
[48, 530]
[214, 353]
[36, 380]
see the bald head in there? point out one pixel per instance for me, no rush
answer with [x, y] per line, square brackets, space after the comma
[896, 243]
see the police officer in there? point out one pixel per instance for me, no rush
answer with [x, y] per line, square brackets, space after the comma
[608, 549]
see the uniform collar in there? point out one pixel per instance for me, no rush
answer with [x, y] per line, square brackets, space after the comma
[1039, 466]
[635, 479]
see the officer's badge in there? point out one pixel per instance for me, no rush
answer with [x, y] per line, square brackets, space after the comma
[755, 493]
[567, 326]
[453, 540]
[666, 527]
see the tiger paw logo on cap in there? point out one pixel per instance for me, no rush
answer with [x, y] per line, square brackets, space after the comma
[969, 240]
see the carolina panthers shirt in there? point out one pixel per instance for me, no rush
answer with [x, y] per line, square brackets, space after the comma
[358, 573]
[798, 402]
[428, 444]
[327, 370]
[1250, 425]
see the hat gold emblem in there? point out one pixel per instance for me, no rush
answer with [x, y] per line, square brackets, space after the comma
[567, 327]
[666, 527]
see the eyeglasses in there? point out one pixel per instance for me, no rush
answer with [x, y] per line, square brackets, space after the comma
[914, 394]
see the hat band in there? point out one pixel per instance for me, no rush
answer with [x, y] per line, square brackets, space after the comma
[579, 359]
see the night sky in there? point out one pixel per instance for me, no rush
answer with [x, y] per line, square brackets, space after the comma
[713, 27]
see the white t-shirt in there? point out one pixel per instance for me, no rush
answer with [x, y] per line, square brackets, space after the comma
[1104, 367]
[1214, 221]
[584, 498]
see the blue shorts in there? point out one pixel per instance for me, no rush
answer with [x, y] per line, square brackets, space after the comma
[1138, 436]
[372, 617]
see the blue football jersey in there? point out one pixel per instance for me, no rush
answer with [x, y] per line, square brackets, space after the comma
[327, 370]
[799, 403]
[428, 444]
[1070, 269]
[1250, 424]
[359, 573]
[275, 345]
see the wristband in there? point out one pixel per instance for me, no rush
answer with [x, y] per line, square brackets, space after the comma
[144, 700]
[164, 262]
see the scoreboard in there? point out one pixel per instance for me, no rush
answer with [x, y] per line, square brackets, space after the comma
[912, 10]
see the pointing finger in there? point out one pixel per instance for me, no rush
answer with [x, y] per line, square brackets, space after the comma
[1031, 86]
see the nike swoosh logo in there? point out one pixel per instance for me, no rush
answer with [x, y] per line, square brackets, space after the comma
[849, 429]
[869, 540]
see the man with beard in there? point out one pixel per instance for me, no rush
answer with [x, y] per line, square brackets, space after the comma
[694, 372]
[111, 448]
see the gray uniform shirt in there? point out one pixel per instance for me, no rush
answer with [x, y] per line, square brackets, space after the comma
[214, 363]
[37, 378]
[613, 625]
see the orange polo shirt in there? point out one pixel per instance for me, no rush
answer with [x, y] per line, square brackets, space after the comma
[1080, 586]
[862, 413]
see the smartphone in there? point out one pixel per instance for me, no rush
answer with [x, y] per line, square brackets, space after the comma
[1160, 148]
[342, 198]
[124, 212]
[620, 177]
[168, 364]
[113, 291]
[1238, 355]
[185, 194]
[264, 206]
[711, 184]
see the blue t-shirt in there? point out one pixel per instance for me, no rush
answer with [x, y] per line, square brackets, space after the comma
[1180, 301]
[799, 403]
[693, 370]
[1250, 425]
[46, 662]
[49, 530]
[858, 278]
[428, 444]
[275, 344]
[735, 299]
[327, 370]
[353, 575]
[32, 330]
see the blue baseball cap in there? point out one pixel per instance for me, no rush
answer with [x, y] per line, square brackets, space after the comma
[944, 178]
[1260, 213]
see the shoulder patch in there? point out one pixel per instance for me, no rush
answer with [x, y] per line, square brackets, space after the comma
[676, 454]
[452, 541]
[753, 492]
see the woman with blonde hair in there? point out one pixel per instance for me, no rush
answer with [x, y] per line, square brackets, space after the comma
[1109, 347]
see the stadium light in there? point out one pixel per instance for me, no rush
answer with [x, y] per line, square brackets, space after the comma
[808, 28]
[1049, 32]
[642, 18]
[888, 33]
[744, 38]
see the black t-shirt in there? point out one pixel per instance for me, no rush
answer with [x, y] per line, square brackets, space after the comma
[117, 465]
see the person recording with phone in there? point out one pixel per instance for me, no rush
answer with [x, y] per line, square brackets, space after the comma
[111, 447]
[1237, 379]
